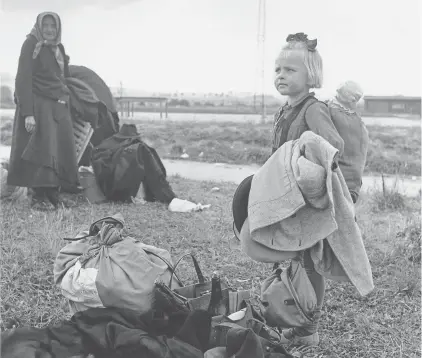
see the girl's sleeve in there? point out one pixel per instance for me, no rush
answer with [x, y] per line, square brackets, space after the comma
[23, 84]
[319, 121]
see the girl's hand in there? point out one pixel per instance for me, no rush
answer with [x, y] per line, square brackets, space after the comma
[30, 124]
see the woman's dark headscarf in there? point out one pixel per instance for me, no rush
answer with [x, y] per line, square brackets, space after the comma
[37, 33]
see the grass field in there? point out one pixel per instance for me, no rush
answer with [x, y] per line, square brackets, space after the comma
[391, 150]
[386, 323]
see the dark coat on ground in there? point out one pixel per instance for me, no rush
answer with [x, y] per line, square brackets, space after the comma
[47, 157]
[112, 333]
[118, 333]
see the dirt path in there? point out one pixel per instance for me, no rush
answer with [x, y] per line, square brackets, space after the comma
[236, 173]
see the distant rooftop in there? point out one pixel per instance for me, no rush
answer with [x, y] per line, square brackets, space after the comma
[403, 98]
[138, 98]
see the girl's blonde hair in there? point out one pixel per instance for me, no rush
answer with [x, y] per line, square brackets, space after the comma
[311, 59]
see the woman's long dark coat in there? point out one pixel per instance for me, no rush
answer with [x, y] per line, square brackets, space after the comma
[47, 157]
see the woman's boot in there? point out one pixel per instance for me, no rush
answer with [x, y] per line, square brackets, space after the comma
[52, 195]
[40, 201]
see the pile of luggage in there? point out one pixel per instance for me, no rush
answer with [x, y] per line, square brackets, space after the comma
[127, 300]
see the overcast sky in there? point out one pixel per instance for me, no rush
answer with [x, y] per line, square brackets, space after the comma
[210, 45]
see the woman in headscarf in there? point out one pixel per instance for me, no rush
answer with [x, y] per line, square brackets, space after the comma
[43, 154]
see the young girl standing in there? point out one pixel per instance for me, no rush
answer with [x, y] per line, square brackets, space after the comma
[298, 69]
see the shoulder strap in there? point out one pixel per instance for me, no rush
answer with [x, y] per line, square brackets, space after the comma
[310, 103]
[286, 124]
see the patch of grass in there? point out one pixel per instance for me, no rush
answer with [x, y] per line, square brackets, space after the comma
[388, 198]
[394, 150]
[410, 242]
[209, 141]
[386, 323]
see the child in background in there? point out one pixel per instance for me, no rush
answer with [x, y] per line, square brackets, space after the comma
[353, 132]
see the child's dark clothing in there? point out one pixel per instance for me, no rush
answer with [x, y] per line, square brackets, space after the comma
[307, 113]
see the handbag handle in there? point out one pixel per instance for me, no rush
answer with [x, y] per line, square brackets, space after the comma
[196, 265]
[171, 268]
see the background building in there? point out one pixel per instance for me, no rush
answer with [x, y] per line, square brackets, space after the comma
[393, 105]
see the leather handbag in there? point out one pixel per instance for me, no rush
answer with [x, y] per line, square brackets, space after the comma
[288, 297]
[198, 295]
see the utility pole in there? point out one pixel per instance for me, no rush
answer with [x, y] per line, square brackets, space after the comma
[260, 75]
[121, 89]
[120, 92]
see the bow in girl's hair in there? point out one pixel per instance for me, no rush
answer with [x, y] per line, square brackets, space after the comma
[301, 37]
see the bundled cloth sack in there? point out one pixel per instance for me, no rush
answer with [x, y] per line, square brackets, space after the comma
[100, 268]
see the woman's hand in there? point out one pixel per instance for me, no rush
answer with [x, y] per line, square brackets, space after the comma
[30, 124]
